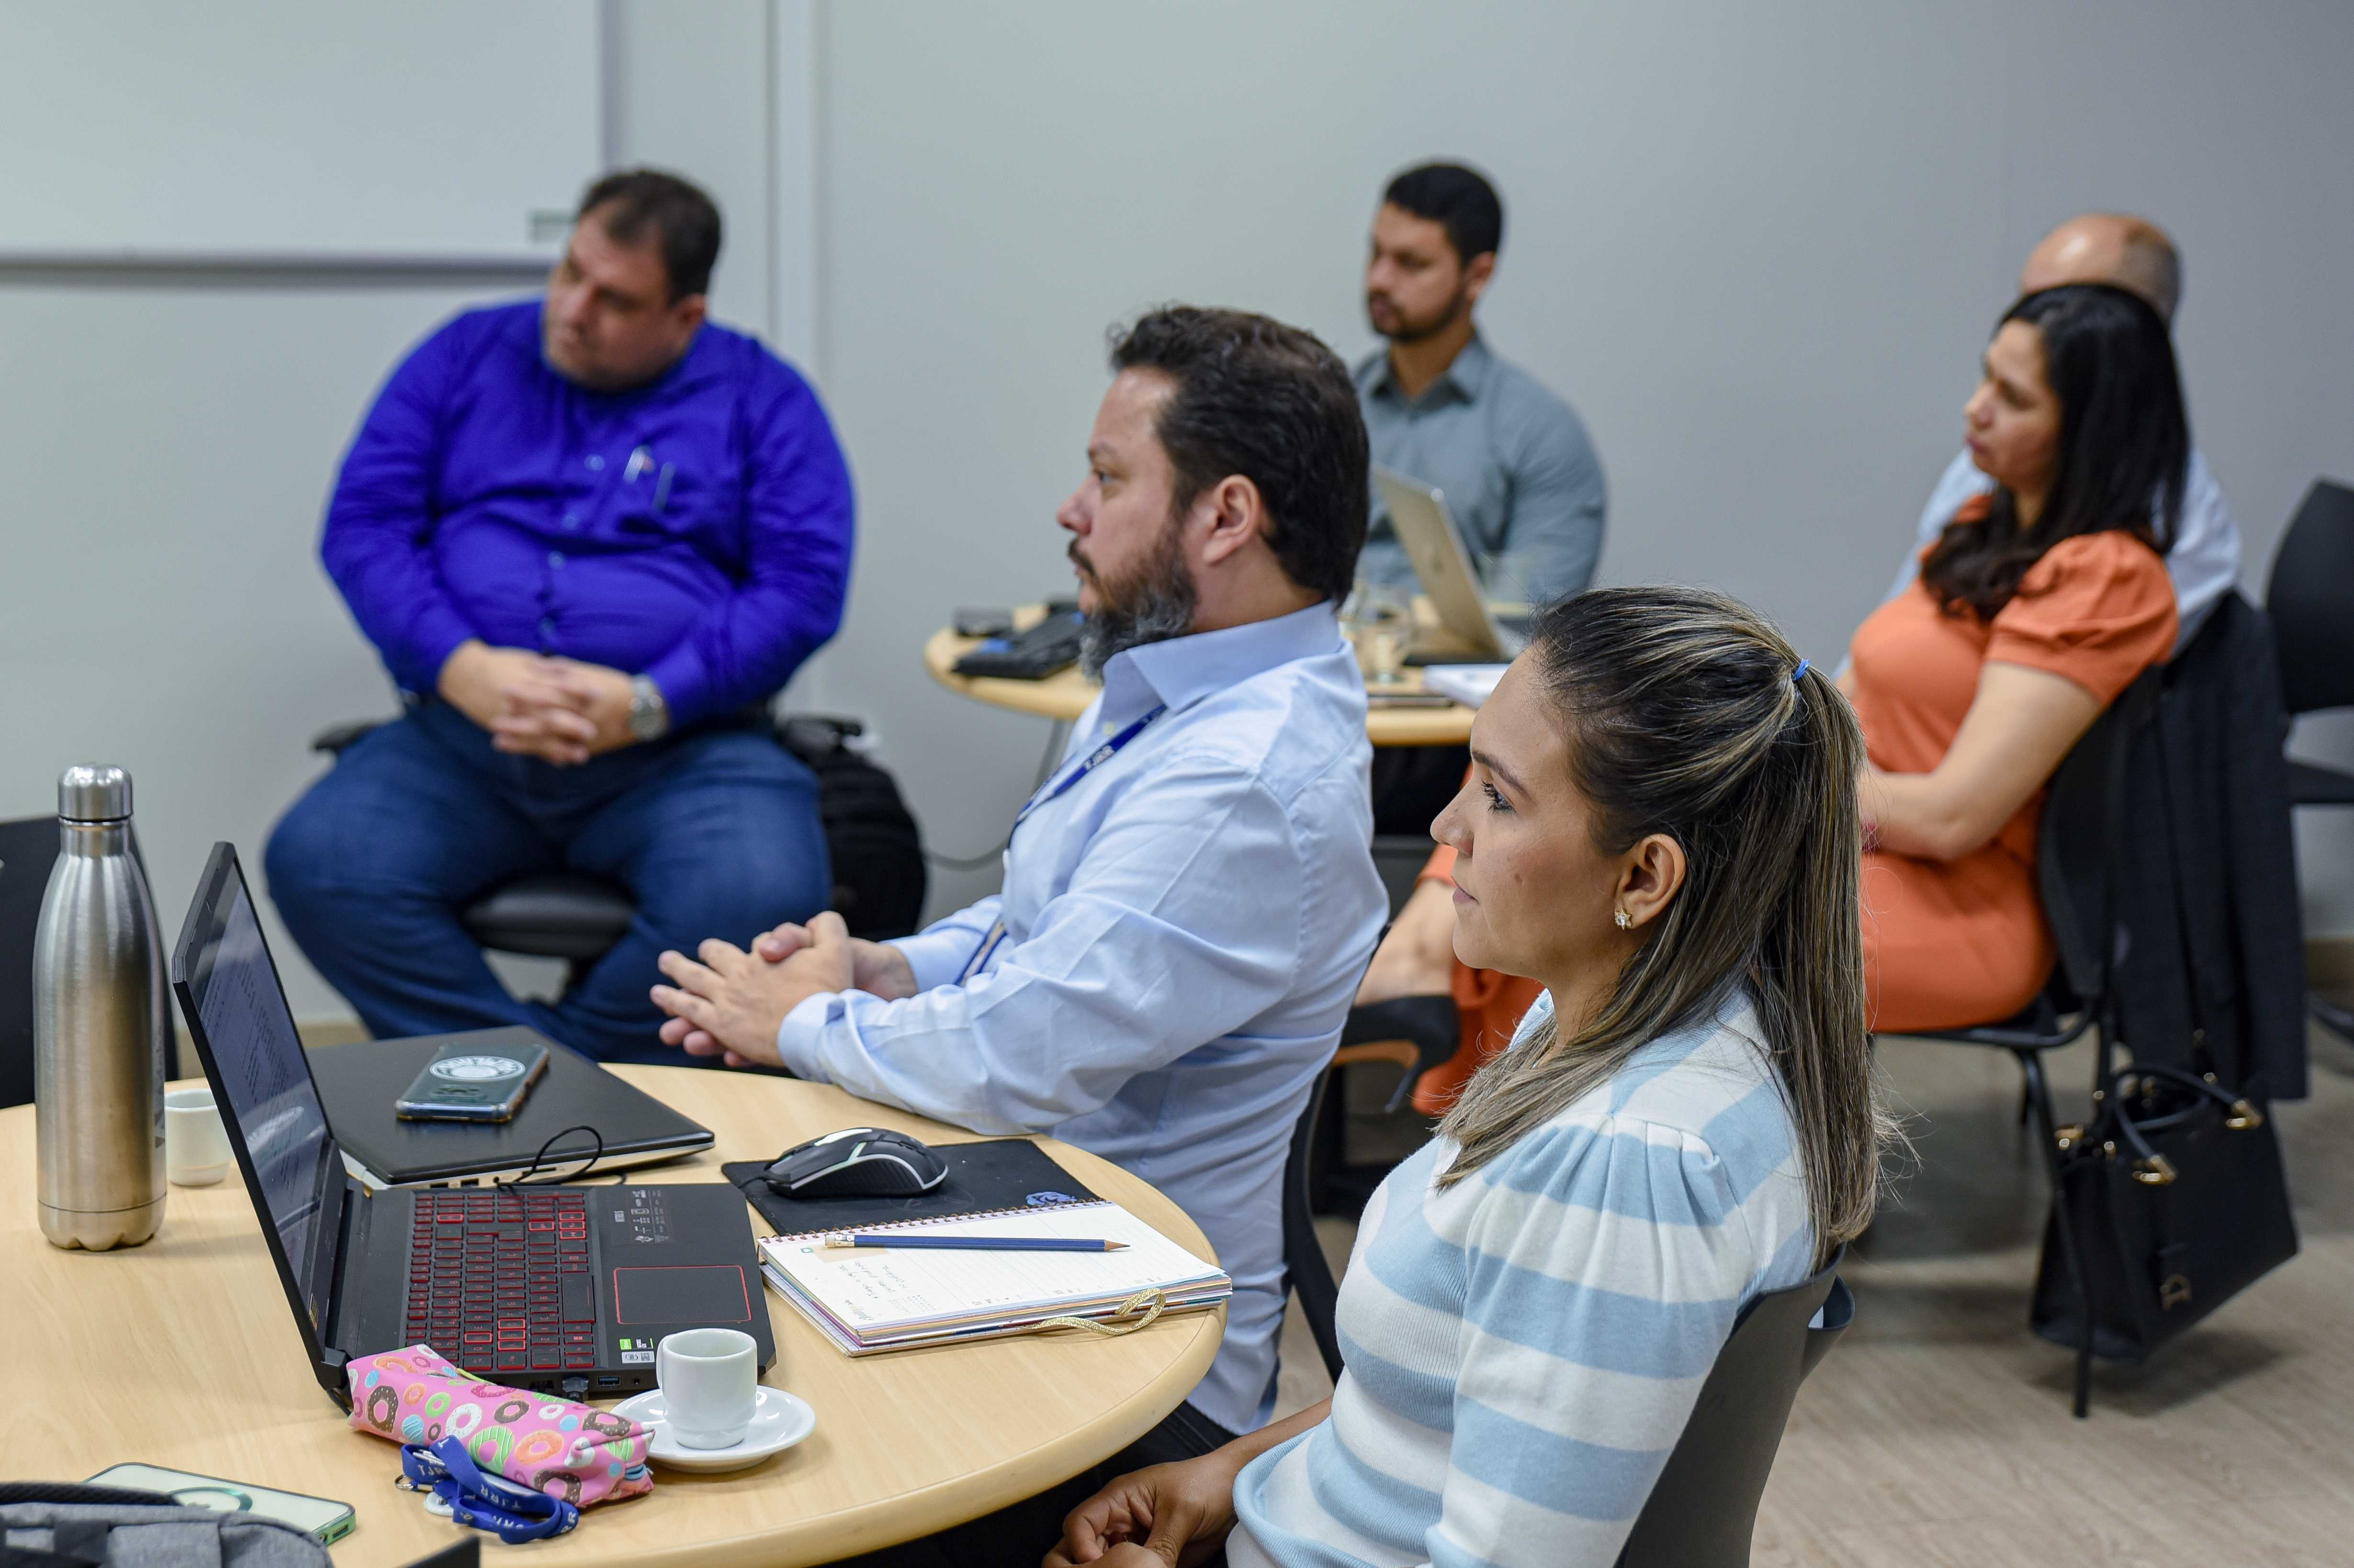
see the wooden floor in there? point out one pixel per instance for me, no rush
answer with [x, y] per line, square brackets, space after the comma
[1937, 1433]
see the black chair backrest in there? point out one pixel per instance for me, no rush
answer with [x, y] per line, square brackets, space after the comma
[2082, 837]
[28, 848]
[1303, 1255]
[2311, 601]
[1703, 1509]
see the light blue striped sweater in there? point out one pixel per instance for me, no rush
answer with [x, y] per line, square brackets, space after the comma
[1524, 1348]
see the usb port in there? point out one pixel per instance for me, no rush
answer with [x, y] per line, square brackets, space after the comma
[608, 1382]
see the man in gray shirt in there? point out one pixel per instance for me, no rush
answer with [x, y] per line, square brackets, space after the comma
[1520, 476]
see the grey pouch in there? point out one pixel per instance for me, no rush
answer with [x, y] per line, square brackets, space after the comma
[134, 1535]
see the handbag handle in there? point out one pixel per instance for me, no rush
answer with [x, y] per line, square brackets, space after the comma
[2152, 1169]
[2244, 1112]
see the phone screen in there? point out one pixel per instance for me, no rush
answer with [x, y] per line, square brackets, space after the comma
[323, 1517]
[471, 1083]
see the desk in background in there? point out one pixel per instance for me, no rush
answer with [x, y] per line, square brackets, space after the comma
[183, 1353]
[1064, 696]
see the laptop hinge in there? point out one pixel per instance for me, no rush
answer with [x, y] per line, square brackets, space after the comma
[349, 1209]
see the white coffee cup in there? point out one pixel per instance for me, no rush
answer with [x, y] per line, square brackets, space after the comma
[710, 1381]
[195, 1146]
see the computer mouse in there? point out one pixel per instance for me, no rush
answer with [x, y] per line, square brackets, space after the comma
[858, 1162]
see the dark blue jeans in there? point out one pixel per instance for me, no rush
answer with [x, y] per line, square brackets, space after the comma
[715, 833]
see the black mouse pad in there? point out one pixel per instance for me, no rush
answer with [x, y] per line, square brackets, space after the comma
[997, 1173]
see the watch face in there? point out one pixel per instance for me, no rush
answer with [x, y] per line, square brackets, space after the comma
[476, 1069]
[648, 715]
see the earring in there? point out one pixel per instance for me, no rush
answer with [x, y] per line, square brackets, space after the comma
[1624, 924]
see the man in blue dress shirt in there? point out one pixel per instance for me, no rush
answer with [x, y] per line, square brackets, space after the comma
[1188, 899]
[590, 536]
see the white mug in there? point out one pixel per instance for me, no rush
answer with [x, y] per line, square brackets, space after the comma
[195, 1146]
[710, 1381]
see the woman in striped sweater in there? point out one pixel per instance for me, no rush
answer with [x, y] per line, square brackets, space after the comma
[1662, 827]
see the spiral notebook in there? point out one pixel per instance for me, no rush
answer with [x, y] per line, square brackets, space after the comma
[870, 1300]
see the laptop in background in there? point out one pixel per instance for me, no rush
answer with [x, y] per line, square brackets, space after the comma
[359, 1082]
[542, 1287]
[1425, 528]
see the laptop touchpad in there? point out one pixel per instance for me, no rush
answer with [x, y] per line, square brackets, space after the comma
[686, 1293]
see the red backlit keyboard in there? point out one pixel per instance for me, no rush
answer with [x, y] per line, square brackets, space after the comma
[500, 1282]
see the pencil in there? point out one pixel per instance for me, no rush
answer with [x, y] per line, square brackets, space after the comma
[978, 1243]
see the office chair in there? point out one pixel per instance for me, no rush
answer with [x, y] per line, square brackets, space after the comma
[2080, 843]
[1414, 1034]
[2310, 600]
[567, 915]
[578, 916]
[28, 848]
[1703, 1509]
[1398, 860]
[1307, 1273]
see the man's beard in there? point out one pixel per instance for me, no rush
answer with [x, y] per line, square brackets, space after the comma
[1155, 606]
[1411, 330]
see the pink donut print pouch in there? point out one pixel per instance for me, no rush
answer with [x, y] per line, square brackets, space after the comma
[566, 1449]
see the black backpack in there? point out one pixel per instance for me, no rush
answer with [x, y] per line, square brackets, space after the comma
[879, 879]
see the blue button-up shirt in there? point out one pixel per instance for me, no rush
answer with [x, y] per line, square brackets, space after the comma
[1186, 926]
[1514, 462]
[696, 529]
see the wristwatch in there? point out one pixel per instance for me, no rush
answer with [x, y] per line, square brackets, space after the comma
[649, 715]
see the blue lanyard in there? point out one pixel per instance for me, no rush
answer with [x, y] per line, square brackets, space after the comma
[1094, 759]
[994, 937]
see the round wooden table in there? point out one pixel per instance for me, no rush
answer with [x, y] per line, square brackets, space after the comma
[1065, 696]
[184, 1354]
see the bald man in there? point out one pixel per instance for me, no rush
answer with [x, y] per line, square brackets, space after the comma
[2132, 253]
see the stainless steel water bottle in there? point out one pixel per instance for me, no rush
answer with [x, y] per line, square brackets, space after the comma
[102, 1026]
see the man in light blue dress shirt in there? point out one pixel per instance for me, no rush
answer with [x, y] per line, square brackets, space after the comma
[1189, 900]
[2134, 254]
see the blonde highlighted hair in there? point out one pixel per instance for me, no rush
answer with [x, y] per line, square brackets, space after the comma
[1687, 714]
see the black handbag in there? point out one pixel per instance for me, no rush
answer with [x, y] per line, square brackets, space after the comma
[2175, 1200]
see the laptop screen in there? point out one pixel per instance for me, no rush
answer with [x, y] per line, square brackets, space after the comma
[241, 1019]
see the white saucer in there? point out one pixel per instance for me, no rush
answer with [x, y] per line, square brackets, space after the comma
[779, 1420]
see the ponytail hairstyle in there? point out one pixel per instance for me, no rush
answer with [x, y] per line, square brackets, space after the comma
[1687, 714]
[2124, 452]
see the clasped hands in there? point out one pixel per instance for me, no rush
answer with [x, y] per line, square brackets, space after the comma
[1167, 1516]
[559, 710]
[731, 1003]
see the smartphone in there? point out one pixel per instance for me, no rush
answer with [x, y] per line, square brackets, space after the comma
[471, 1083]
[326, 1520]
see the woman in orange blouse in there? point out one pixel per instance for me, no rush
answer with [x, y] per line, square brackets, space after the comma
[2037, 606]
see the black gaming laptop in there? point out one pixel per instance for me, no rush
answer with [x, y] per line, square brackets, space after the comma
[558, 1288]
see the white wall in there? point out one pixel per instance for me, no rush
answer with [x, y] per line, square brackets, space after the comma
[353, 127]
[170, 441]
[1759, 248]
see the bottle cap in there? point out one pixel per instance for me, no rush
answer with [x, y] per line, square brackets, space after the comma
[93, 793]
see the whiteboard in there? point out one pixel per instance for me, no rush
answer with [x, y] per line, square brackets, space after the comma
[295, 128]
